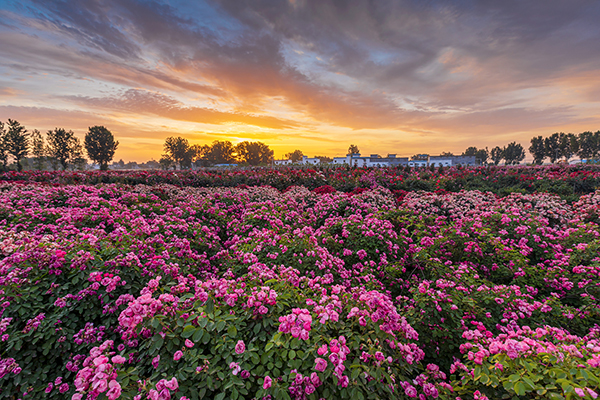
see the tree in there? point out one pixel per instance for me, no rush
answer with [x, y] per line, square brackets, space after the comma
[587, 145]
[166, 163]
[100, 146]
[324, 159]
[3, 149]
[200, 153]
[353, 149]
[470, 151]
[513, 153]
[537, 149]
[221, 152]
[568, 145]
[481, 155]
[497, 154]
[552, 146]
[177, 149]
[78, 161]
[254, 153]
[38, 149]
[63, 147]
[17, 142]
[297, 155]
[447, 154]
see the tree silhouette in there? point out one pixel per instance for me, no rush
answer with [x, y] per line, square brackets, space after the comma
[297, 155]
[100, 146]
[552, 146]
[63, 147]
[353, 149]
[177, 150]
[537, 149]
[254, 153]
[513, 153]
[497, 154]
[17, 142]
[38, 149]
[221, 152]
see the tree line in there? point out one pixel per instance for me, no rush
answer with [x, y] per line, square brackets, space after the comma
[179, 153]
[561, 145]
[61, 149]
[57, 149]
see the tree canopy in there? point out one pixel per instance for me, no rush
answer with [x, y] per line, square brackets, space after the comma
[100, 146]
[64, 147]
[254, 153]
[16, 142]
[296, 155]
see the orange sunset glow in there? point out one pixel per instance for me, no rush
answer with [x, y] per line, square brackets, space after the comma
[400, 77]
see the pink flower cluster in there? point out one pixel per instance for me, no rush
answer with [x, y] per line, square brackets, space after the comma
[163, 389]
[110, 281]
[98, 374]
[298, 323]
[338, 352]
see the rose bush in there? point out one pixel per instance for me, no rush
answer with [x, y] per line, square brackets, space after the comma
[158, 291]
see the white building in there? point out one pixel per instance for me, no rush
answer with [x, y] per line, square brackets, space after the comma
[417, 163]
[440, 161]
[310, 161]
[374, 160]
[449, 161]
[282, 162]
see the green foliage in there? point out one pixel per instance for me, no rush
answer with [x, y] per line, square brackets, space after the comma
[63, 148]
[16, 142]
[100, 146]
[254, 153]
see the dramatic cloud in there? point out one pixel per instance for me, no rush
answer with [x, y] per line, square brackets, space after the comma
[311, 74]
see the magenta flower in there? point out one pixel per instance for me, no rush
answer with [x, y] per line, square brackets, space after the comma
[320, 364]
[267, 382]
[189, 343]
[240, 347]
[118, 359]
[178, 354]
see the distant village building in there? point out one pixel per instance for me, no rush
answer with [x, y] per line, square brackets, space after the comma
[373, 160]
[440, 161]
[310, 161]
[451, 161]
[282, 162]
[377, 161]
[417, 163]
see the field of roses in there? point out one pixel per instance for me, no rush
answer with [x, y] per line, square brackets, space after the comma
[567, 181]
[122, 289]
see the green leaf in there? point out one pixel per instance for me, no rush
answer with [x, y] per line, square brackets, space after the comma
[232, 331]
[220, 396]
[529, 382]
[519, 388]
[188, 331]
[514, 378]
[210, 306]
[198, 335]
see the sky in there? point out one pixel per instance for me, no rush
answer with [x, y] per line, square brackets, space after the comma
[390, 76]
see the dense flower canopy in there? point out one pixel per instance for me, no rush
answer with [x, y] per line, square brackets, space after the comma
[158, 291]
